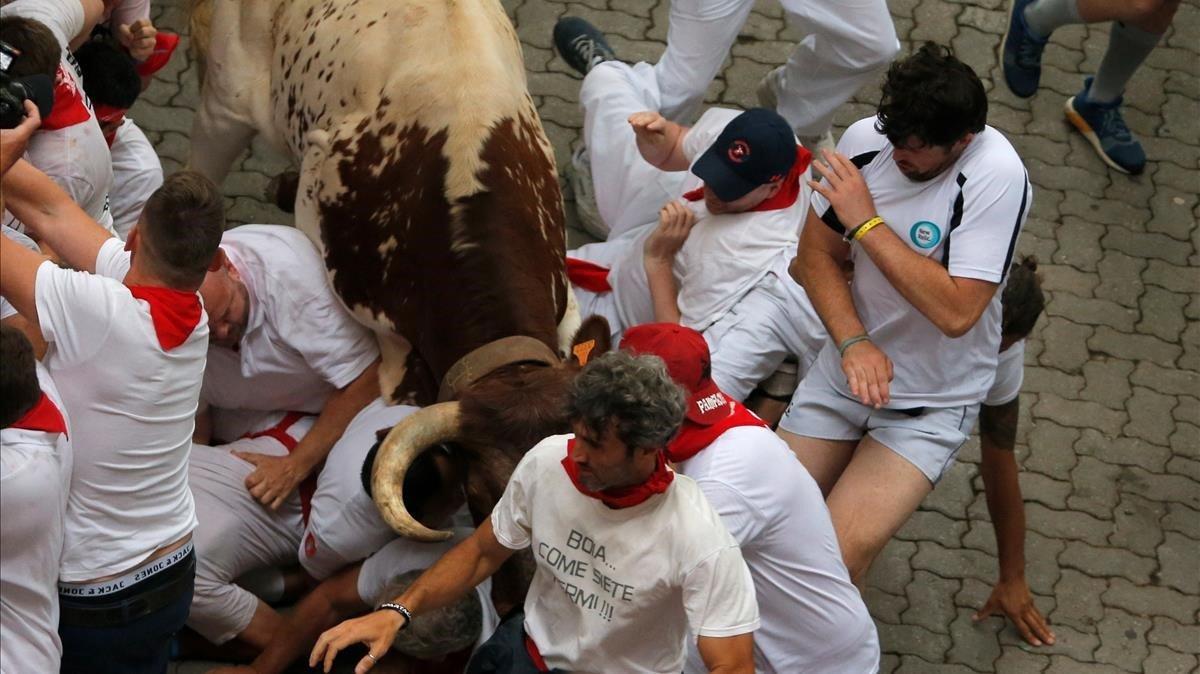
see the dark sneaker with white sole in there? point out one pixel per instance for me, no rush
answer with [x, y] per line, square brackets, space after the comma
[581, 44]
[1104, 127]
[1021, 53]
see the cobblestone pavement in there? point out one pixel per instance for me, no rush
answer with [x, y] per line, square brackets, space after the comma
[1110, 424]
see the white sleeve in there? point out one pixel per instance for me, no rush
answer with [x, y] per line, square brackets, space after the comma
[113, 260]
[64, 18]
[718, 596]
[510, 518]
[75, 310]
[1010, 374]
[6, 308]
[739, 517]
[398, 558]
[334, 345]
[127, 11]
[704, 132]
[995, 205]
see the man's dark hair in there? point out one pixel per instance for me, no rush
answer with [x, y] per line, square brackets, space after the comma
[19, 388]
[1022, 300]
[931, 96]
[634, 394]
[109, 74]
[181, 225]
[40, 50]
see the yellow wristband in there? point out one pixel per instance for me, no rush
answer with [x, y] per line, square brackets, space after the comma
[866, 227]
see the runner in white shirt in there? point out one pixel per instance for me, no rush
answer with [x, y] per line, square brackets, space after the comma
[35, 474]
[113, 85]
[813, 618]
[128, 349]
[69, 147]
[282, 340]
[695, 214]
[629, 555]
[933, 201]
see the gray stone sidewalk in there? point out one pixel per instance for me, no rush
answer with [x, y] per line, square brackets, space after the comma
[1110, 425]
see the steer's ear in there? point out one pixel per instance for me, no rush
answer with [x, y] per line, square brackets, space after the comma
[593, 338]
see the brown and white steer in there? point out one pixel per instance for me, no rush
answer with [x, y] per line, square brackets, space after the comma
[427, 181]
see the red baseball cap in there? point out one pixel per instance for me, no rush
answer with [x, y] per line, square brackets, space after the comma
[686, 354]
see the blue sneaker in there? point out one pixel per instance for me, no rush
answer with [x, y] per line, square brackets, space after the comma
[1022, 55]
[1104, 127]
[581, 44]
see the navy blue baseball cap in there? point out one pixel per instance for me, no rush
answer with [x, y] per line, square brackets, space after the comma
[755, 148]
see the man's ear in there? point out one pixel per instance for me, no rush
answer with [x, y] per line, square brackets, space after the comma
[218, 261]
[593, 339]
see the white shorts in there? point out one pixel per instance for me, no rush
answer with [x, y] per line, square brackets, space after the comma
[928, 438]
[344, 526]
[774, 320]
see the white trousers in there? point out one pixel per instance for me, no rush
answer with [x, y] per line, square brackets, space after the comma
[847, 43]
[137, 173]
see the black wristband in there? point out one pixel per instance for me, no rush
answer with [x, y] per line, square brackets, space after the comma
[398, 608]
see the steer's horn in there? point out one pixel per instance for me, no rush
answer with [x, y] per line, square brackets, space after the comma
[407, 439]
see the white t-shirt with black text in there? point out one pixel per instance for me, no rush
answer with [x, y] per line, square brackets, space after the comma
[619, 590]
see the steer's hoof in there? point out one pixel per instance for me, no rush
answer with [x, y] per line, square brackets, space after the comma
[282, 191]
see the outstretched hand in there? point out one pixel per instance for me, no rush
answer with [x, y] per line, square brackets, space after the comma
[14, 140]
[274, 477]
[650, 129]
[868, 370]
[376, 631]
[845, 188]
[1013, 600]
[139, 38]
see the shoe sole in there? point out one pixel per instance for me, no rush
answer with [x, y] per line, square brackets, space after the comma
[1084, 128]
[1012, 6]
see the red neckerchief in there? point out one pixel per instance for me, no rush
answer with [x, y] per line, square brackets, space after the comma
[69, 108]
[308, 486]
[789, 190]
[164, 46]
[694, 437]
[622, 497]
[588, 275]
[175, 313]
[535, 655]
[43, 416]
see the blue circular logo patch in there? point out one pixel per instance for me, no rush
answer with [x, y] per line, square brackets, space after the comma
[925, 234]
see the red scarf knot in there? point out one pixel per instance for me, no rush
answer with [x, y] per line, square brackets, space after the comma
[694, 437]
[43, 416]
[175, 313]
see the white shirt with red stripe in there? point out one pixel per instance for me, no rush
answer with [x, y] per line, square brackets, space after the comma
[724, 255]
[69, 147]
[619, 590]
[35, 473]
[129, 371]
[300, 344]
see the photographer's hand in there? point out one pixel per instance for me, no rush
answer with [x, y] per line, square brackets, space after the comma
[14, 140]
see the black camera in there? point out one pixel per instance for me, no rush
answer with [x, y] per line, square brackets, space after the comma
[15, 91]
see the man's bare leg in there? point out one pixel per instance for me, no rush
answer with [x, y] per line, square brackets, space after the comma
[875, 495]
[824, 459]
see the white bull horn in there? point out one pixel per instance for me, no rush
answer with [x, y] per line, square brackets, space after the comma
[424, 428]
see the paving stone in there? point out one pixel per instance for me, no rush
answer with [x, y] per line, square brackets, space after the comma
[1079, 244]
[1042, 570]
[1187, 410]
[1104, 211]
[1137, 524]
[892, 570]
[1120, 278]
[889, 663]
[1062, 277]
[1172, 277]
[1162, 314]
[1052, 450]
[1133, 347]
[1149, 600]
[1069, 643]
[1094, 482]
[1146, 245]
[1079, 413]
[954, 562]
[1065, 345]
[1182, 637]
[1164, 488]
[1177, 556]
[934, 526]
[1107, 382]
[1107, 562]
[953, 491]
[1179, 465]
[1078, 601]
[1170, 381]
[1166, 661]
[910, 664]
[1172, 211]
[1150, 416]
[930, 601]
[1068, 524]
[1123, 640]
[1185, 441]
[972, 46]
[972, 594]
[1183, 519]
[885, 607]
[1065, 665]
[913, 640]
[974, 645]
[1092, 311]
[1016, 660]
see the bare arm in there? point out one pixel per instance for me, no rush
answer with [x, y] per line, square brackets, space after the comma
[675, 222]
[464, 567]
[997, 435]
[818, 267]
[18, 278]
[953, 304]
[728, 655]
[660, 141]
[275, 478]
[53, 217]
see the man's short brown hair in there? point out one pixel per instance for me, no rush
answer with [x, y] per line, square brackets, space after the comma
[181, 226]
[40, 50]
[19, 388]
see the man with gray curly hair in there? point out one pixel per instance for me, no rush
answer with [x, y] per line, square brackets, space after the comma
[630, 556]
